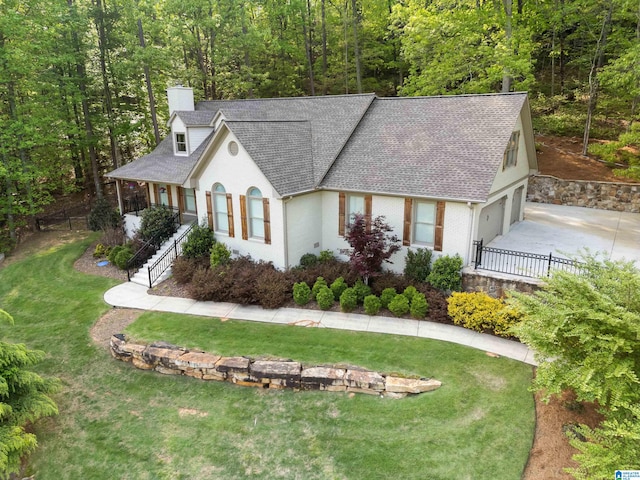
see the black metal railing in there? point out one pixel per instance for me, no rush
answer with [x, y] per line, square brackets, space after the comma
[523, 264]
[149, 248]
[167, 258]
[134, 204]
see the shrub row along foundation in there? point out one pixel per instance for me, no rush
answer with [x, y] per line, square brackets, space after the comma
[172, 360]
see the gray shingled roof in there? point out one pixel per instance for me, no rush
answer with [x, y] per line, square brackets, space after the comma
[447, 147]
[282, 150]
[161, 165]
[195, 118]
[331, 119]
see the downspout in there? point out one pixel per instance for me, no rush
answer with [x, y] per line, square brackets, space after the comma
[470, 239]
[286, 231]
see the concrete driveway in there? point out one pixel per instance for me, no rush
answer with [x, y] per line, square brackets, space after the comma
[565, 230]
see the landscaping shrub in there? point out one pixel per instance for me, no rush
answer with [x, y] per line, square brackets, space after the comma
[103, 216]
[361, 290]
[272, 287]
[183, 269]
[308, 260]
[388, 280]
[337, 287]
[437, 302]
[220, 254]
[419, 306]
[480, 312]
[113, 236]
[301, 293]
[101, 250]
[417, 264]
[198, 242]
[372, 305]
[387, 295]
[157, 222]
[399, 306]
[203, 286]
[317, 285]
[445, 273]
[348, 300]
[326, 256]
[121, 259]
[409, 292]
[114, 252]
[325, 298]
[329, 270]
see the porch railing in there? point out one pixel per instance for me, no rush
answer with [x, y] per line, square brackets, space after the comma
[523, 264]
[167, 258]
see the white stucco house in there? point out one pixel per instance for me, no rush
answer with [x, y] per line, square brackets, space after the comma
[278, 178]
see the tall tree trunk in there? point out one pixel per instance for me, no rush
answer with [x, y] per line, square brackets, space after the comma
[356, 48]
[324, 47]
[346, 47]
[598, 61]
[88, 127]
[508, 32]
[147, 79]
[108, 103]
[306, 32]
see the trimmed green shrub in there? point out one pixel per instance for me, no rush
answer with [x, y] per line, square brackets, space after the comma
[325, 298]
[361, 290]
[419, 306]
[445, 273]
[301, 293]
[326, 256]
[308, 260]
[372, 305]
[399, 305]
[417, 264]
[387, 295]
[480, 312]
[409, 292]
[348, 300]
[198, 242]
[157, 222]
[220, 255]
[101, 250]
[103, 216]
[122, 258]
[338, 286]
[319, 283]
[114, 252]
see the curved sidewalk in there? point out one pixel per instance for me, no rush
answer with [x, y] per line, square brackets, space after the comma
[132, 295]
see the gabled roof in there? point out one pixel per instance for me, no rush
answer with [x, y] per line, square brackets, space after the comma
[282, 151]
[447, 147]
[193, 118]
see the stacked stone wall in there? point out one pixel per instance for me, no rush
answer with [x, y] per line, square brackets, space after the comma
[496, 284]
[619, 197]
[273, 374]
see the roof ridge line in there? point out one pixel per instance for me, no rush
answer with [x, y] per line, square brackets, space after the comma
[456, 95]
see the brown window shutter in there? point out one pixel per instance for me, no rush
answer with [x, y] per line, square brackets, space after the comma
[341, 210]
[243, 216]
[368, 200]
[156, 194]
[169, 195]
[267, 221]
[437, 242]
[408, 215]
[209, 210]
[230, 215]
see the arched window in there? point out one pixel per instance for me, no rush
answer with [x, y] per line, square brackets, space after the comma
[255, 213]
[221, 212]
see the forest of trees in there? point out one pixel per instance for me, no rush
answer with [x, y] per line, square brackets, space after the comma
[82, 82]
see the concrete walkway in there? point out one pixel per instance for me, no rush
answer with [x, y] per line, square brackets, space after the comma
[131, 295]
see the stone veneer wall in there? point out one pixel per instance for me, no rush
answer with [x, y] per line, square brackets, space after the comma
[496, 284]
[274, 374]
[621, 197]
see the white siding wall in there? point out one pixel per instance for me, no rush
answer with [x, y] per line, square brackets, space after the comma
[457, 226]
[237, 174]
[304, 228]
[196, 137]
[177, 125]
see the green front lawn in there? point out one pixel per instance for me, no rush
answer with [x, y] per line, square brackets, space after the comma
[119, 422]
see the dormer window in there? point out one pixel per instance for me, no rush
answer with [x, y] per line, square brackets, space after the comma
[181, 143]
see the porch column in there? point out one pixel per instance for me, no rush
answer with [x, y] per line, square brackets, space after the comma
[119, 195]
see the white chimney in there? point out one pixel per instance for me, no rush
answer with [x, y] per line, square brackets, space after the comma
[180, 98]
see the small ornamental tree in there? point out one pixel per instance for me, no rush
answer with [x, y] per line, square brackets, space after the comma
[371, 245]
[23, 400]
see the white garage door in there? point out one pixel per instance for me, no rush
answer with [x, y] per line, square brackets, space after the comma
[491, 220]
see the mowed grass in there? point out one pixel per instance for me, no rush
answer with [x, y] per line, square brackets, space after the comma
[119, 422]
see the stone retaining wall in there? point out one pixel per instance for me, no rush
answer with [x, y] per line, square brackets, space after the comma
[620, 197]
[496, 284]
[274, 374]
